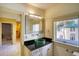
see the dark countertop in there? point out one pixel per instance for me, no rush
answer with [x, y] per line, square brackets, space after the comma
[32, 44]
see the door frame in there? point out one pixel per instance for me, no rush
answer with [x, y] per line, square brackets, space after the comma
[0, 34]
[10, 21]
[11, 27]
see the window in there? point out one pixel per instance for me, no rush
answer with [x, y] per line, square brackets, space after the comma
[35, 28]
[67, 31]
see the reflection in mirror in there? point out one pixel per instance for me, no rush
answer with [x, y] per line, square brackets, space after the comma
[32, 24]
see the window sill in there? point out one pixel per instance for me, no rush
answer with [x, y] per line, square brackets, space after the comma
[65, 43]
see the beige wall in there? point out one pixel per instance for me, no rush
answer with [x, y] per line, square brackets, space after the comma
[57, 11]
[48, 28]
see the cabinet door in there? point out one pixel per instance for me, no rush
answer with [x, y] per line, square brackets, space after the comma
[46, 50]
[61, 51]
[50, 50]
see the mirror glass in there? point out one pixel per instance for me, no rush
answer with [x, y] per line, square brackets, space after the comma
[33, 25]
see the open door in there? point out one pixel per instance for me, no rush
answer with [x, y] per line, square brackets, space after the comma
[6, 33]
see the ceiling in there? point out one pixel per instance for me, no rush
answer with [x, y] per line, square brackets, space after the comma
[43, 5]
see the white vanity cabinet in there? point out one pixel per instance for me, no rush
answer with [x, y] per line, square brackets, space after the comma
[43, 51]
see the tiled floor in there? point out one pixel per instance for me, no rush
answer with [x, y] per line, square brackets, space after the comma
[10, 50]
[7, 42]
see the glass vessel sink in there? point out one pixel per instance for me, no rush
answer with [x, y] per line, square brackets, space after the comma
[39, 42]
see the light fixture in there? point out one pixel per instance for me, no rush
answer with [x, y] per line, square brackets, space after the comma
[35, 16]
[31, 12]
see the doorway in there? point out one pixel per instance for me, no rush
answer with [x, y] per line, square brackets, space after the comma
[6, 33]
[18, 32]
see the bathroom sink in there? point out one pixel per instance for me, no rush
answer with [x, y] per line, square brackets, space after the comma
[39, 43]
